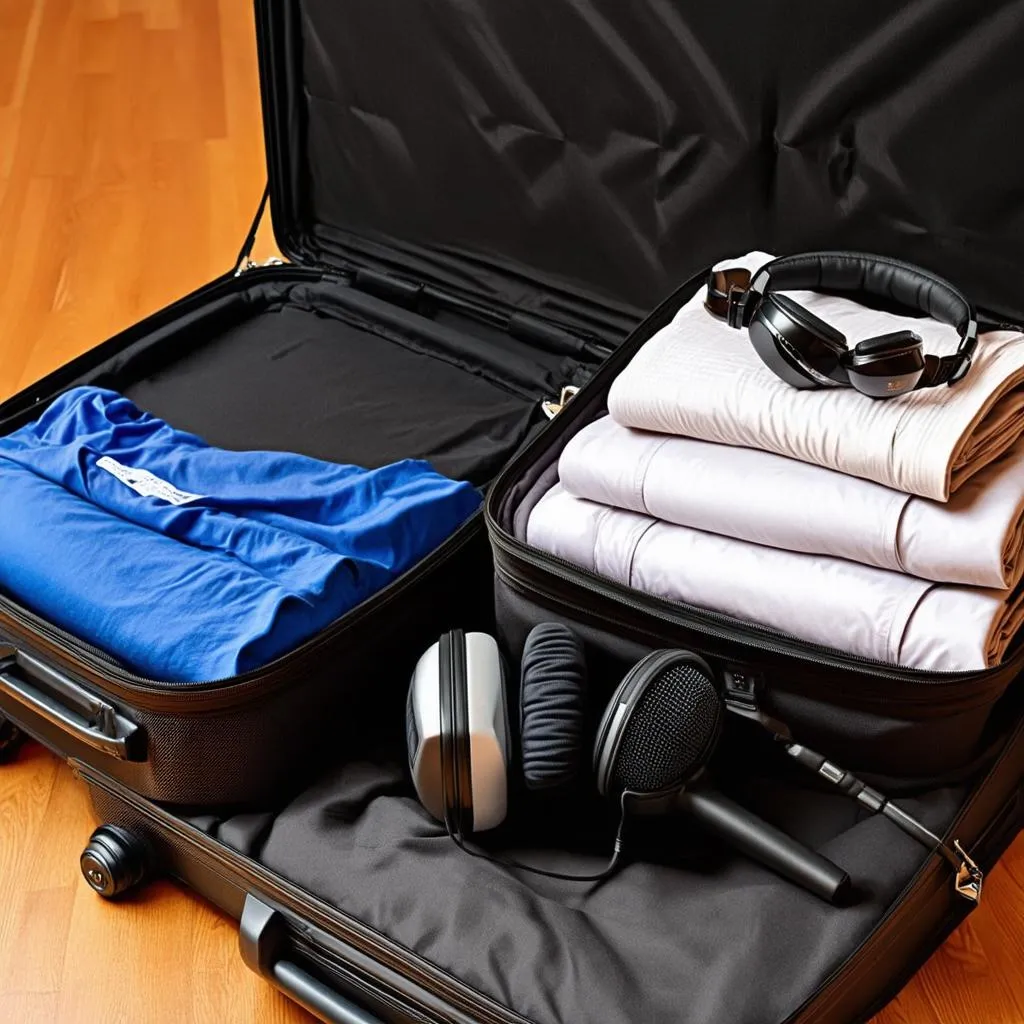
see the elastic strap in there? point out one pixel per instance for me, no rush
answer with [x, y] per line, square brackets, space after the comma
[250, 239]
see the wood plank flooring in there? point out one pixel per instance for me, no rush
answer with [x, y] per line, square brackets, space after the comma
[131, 160]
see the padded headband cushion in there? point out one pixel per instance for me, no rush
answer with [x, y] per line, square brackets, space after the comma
[876, 275]
[553, 706]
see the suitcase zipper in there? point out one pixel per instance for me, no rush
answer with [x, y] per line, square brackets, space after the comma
[218, 694]
[713, 624]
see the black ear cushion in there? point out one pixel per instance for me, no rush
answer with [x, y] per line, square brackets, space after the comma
[553, 700]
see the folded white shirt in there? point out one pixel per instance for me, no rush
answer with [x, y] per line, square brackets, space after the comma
[698, 377]
[864, 611]
[975, 538]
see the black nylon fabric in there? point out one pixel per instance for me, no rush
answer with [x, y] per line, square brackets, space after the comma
[291, 380]
[686, 933]
[606, 150]
[309, 368]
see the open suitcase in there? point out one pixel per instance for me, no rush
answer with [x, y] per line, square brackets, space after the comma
[590, 161]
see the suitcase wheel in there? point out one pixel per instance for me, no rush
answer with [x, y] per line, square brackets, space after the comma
[115, 861]
[11, 738]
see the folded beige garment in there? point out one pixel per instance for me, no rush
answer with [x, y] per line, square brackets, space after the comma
[977, 537]
[700, 378]
[864, 611]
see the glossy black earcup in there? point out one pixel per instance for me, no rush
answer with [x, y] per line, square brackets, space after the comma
[797, 346]
[803, 317]
[553, 703]
[886, 366]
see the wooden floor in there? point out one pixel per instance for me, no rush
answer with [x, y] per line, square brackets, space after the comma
[130, 163]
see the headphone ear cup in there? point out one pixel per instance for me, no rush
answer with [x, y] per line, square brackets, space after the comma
[821, 329]
[456, 768]
[457, 732]
[553, 707]
[797, 346]
[886, 366]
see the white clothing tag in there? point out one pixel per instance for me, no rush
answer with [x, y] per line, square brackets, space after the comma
[145, 483]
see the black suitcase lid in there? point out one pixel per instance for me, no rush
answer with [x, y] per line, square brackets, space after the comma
[578, 159]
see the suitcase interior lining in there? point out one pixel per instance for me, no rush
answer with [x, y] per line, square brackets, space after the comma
[674, 936]
[281, 367]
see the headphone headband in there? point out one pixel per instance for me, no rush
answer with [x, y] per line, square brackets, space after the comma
[731, 295]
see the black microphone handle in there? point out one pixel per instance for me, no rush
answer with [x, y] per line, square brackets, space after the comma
[763, 842]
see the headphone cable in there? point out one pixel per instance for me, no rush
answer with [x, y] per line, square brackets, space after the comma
[969, 876]
[610, 869]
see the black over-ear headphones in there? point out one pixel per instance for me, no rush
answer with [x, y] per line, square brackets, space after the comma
[806, 352]
[650, 754]
[655, 738]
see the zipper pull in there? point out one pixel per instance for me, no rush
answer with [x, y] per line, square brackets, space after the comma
[553, 408]
[249, 264]
[969, 877]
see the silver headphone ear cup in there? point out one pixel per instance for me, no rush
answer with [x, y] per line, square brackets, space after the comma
[484, 758]
[457, 732]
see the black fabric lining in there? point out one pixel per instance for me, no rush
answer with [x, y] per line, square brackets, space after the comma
[497, 358]
[296, 368]
[603, 153]
[682, 934]
[470, 274]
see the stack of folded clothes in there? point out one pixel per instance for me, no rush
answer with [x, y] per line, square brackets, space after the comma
[889, 530]
[188, 562]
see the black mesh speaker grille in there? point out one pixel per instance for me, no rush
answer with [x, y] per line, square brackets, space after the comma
[671, 731]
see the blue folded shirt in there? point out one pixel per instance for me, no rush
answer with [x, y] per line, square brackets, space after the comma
[192, 563]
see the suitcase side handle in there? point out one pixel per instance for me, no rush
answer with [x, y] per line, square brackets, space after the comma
[69, 707]
[261, 939]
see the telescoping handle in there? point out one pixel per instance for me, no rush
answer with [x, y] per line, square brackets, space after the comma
[63, 704]
[261, 938]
